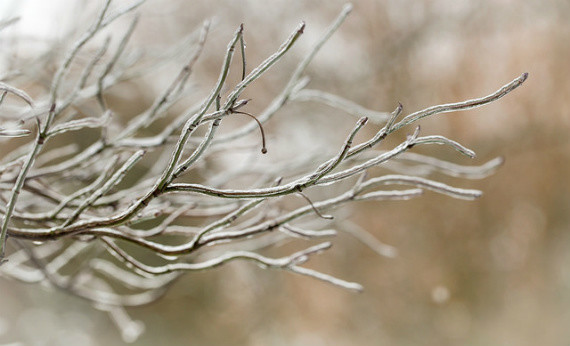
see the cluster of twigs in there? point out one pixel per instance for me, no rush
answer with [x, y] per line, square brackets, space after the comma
[65, 206]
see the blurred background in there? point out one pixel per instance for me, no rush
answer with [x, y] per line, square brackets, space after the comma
[495, 271]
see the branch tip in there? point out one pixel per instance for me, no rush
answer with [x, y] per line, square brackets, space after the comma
[501, 160]
[240, 104]
[263, 147]
[400, 108]
[319, 214]
[416, 133]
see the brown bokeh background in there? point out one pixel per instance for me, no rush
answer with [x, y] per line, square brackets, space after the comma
[495, 271]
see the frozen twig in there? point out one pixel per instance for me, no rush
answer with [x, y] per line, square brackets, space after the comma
[188, 206]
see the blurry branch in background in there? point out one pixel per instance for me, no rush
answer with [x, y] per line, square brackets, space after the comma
[69, 219]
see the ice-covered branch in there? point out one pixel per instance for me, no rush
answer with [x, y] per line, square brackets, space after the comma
[169, 187]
